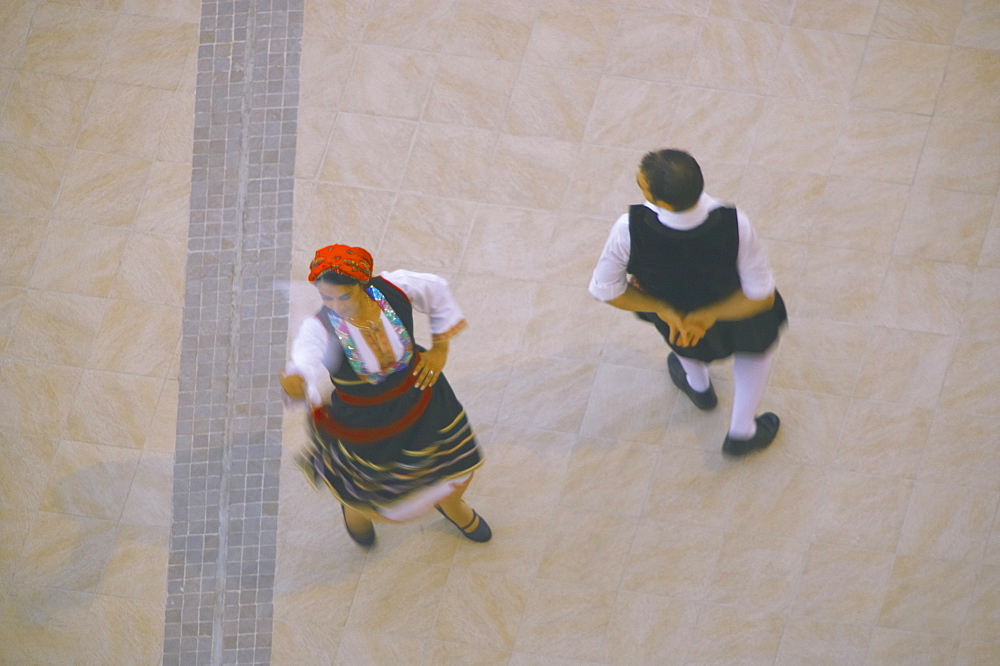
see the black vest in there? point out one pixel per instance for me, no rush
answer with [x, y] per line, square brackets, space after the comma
[688, 269]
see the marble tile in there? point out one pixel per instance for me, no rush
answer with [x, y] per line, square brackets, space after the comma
[640, 51]
[565, 620]
[764, 11]
[573, 35]
[961, 155]
[735, 55]
[778, 500]
[862, 511]
[44, 109]
[880, 145]
[15, 525]
[847, 219]
[485, 301]
[616, 410]
[494, 30]
[23, 478]
[928, 595]
[165, 206]
[980, 25]
[904, 367]
[756, 572]
[984, 614]
[972, 653]
[15, 24]
[389, 82]
[101, 189]
[293, 644]
[470, 91]
[884, 439]
[314, 125]
[119, 630]
[842, 585]
[839, 284]
[585, 548]
[806, 440]
[900, 76]
[149, 499]
[889, 646]
[848, 16]
[921, 295]
[970, 85]
[177, 129]
[443, 652]
[966, 388]
[412, 24]
[948, 522]
[136, 338]
[398, 598]
[797, 136]
[185, 10]
[334, 21]
[30, 178]
[67, 40]
[917, 20]
[43, 409]
[672, 558]
[982, 307]
[314, 588]
[55, 329]
[807, 641]
[149, 51]
[360, 219]
[11, 299]
[715, 124]
[365, 647]
[693, 486]
[367, 151]
[427, 233]
[320, 525]
[990, 253]
[648, 106]
[649, 628]
[89, 480]
[450, 161]
[729, 633]
[496, 241]
[532, 172]
[483, 609]
[119, 117]
[326, 68]
[23, 237]
[781, 205]
[113, 409]
[138, 564]
[572, 263]
[520, 533]
[944, 225]
[551, 102]
[603, 181]
[961, 450]
[820, 355]
[694, 7]
[68, 552]
[524, 462]
[548, 393]
[817, 66]
[43, 624]
[568, 323]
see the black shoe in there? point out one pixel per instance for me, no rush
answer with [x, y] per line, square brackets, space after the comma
[481, 534]
[767, 428]
[365, 540]
[703, 400]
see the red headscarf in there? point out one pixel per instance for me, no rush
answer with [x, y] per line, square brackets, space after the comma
[353, 262]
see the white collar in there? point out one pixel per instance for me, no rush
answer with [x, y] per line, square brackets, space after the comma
[688, 219]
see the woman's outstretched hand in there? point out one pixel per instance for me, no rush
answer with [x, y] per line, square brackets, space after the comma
[294, 386]
[430, 365]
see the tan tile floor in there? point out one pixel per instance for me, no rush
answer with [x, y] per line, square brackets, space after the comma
[494, 143]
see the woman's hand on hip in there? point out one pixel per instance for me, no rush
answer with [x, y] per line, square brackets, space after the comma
[429, 367]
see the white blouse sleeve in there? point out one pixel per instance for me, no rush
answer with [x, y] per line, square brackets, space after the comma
[311, 358]
[756, 278]
[610, 278]
[431, 295]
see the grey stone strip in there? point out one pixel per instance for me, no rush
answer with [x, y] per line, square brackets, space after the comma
[223, 540]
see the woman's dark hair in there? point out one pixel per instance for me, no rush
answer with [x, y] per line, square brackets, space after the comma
[673, 177]
[333, 277]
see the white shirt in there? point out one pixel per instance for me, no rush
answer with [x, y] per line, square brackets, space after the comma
[315, 356]
[610, 275]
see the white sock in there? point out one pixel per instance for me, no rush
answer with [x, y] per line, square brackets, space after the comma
[750, 373]
[697, 373]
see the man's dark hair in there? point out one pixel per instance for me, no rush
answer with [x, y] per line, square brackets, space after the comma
[673, 177]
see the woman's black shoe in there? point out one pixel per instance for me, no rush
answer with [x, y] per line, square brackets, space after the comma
[481, 534]
[767, 427]
[365, 540]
